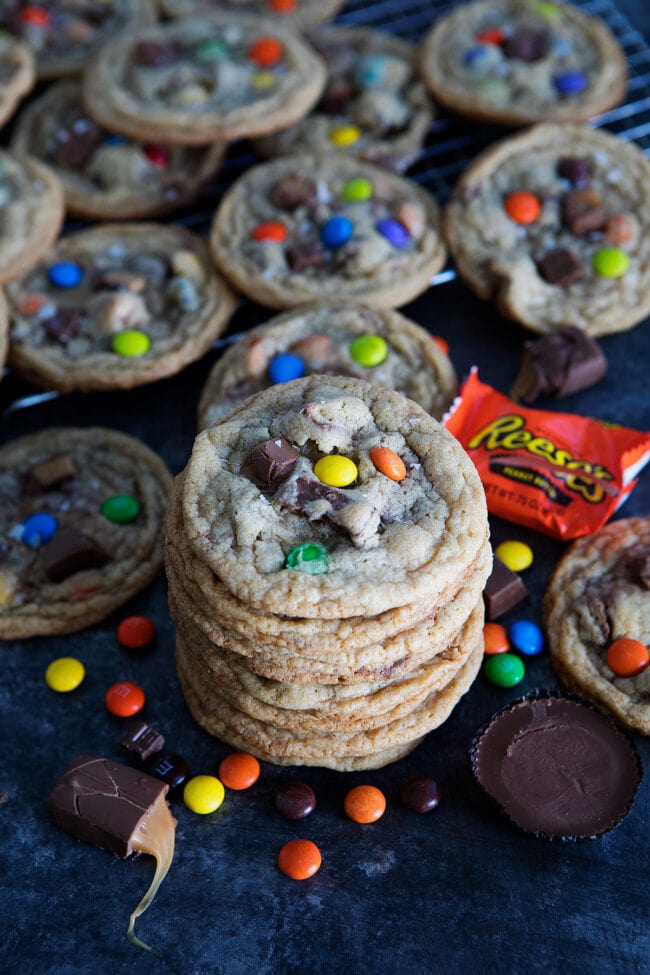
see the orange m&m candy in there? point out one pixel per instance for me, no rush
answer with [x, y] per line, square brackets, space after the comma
[627, 657]
[282, 6]
[239, 771]
[135, 632]
[522, 207]
[270, 230]
[299, 859]
[442, 344]
[490, 35]
[496, 639]
[266, 52]
[365, 804]
[389, 463]
[124, 699]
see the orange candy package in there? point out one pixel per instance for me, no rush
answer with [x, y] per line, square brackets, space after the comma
[561, 474]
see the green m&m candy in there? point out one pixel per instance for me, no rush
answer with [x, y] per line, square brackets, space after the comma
[211, 50]
[547, 10]
[130, 343]
[610, 262]
[120, 509]
[368, 350]
[357, 190]
[308, 557]
[504, 670]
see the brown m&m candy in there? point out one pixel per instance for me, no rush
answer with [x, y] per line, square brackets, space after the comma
[420, 794]
[295, 800]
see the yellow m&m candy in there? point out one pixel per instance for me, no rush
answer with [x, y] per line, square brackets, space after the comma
[65, 674]
[517, 556]
[203, 794]
[336, 470]
[345, 135]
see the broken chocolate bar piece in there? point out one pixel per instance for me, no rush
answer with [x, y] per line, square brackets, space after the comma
[271, 462]
[583, 211]
[50, 474]
[141, 741]
[503, 591]
[116, 808]
[560, 266]
[557, 365]
[70, 551]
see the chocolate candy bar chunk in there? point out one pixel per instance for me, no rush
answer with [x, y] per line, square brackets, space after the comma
[560, 266]
[272, 461]
[105, 803]
[503, 591]
[49, 475]
[141, 741]
[557, 365]
[70, 551]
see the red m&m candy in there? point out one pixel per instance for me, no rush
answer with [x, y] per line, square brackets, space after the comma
[136, 631]
[157, 156]
[124, 699]
[266, 52]
[627, 657]
[270, 231]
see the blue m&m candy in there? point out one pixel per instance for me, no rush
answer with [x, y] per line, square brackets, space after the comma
[394, 232]
[65, 274]
[115, 140]
[371, 71]
[570, 83]
[38, 529]
[336, 232]
[284, 368]
[474, 55]
[526, 637]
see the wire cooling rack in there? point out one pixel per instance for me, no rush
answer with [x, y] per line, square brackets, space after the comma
[451, 142]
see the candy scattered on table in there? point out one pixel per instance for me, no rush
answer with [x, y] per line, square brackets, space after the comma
[504, 670]
[420, 794]
[558, 365]
[295, 800]
[65, 674]
[503, 591]
[203, 794]
[526, 637]
[365, 804]
[627, 657]
[517, 556]
[172, 769]
[136, 631]
[336, 470]
[124, 699]
[496, 639]
[140, 741]
[239, 771]
[299, 859]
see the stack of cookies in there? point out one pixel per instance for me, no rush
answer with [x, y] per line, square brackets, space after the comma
[327, 547]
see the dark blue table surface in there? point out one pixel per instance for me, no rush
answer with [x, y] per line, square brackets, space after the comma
[455, 891]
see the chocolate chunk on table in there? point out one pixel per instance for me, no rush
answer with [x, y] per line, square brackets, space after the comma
[560, 266]
[70, 551]
[104, 802]
[141, 741]
[559, 364]
[503, 591]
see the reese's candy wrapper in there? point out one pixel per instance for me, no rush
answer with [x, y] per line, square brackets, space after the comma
[561, 474]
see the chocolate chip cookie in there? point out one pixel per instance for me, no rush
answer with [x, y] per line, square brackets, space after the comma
[31, 213]
[65, 34]
[327, 227]
[554, 225]
[597, 617]
[295, 13]
[374, 105]
[80, 527]
[339, 339]
[202, 80]
[329, 497]
[107, 176]
[17, 74]
[515, 63]
[117, 306]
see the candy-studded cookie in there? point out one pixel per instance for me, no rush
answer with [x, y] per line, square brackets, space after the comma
[17, 74]
[65, 34]
[296, 13]
[324, 227]
[197, 81]
[31, 213]
[117, 306]
[330, 497]
[374, 105]
[80, 527]
[333, 338]
[554, 225]
[597, 617]
[107, 176]
[515, 62]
